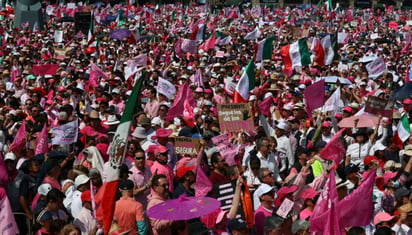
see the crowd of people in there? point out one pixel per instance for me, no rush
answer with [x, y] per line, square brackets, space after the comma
[279, 176]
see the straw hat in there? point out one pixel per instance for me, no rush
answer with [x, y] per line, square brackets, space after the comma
[94, 114]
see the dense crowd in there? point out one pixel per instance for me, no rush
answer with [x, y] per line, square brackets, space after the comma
[333, 167]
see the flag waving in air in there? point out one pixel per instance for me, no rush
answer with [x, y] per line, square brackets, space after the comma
[106, 197]
[245, 84]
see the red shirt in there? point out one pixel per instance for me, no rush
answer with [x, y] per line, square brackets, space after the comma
[216, 178]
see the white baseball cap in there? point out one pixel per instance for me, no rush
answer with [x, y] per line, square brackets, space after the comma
[43, 189]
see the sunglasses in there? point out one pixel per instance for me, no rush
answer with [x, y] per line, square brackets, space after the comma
[164, 185]
[271, 174]
[139, 158]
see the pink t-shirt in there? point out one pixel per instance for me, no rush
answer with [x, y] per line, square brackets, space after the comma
[260, 214]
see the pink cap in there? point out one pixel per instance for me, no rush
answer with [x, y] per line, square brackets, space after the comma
[326, 124]
[382, 217]
[348, 109]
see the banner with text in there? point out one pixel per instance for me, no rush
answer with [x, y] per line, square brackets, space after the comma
[184, 145]
[225, 148]
[376, 105]
[235, 117]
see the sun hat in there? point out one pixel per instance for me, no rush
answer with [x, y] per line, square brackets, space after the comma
[160, 149]
[162, 133]
[283, 192]
[139, 132]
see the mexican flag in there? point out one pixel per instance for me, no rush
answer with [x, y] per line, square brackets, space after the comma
[245, 84]
[264, 49]
[326, 49]
[403, 131]
[91, 37]
[295, 54]
[198, 33]
[106, 196]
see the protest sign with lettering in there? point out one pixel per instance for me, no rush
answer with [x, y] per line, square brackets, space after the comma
[184, 145]
[65, 134]
[225, 148]
[235, 117]
[376, 105]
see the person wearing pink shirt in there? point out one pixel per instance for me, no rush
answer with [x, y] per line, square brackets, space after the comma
[160, 166]
[152, 107]
[117, 101]
[266, 196]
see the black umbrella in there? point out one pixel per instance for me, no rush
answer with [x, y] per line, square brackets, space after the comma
[402, 92]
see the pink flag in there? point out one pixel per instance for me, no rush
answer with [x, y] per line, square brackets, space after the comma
[210, 43]
[189, 46]
[332, 224]
[314, 96]
[45, 69]
[20, 138]
[408, 43]
[7, 223]
[198, 79]
[95, 73]
[334, 150]
[328, 195]
[140, 60]
[202, 184]
[178, 48]
[264, 106]
[42, 145]
[178, 106]
[356, 209]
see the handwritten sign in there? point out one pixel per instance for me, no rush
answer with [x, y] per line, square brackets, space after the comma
[235, 117]
[184, 145]
[285, 208]
[376, 105]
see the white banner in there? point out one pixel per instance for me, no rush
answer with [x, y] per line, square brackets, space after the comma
[376, 68]
[166, 88]
[65, 134]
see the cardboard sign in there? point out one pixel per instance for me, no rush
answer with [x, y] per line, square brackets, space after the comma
[184, 145]
[235, 117]
[379, 106]
[285, 208]
[296, 32]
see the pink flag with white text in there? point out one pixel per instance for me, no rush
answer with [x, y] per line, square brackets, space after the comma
[42, 145]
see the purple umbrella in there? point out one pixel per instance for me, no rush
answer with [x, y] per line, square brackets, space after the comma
[119, 34]
[184, 208]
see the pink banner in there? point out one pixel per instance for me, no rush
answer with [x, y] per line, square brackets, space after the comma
[7, 223]
[226, 149]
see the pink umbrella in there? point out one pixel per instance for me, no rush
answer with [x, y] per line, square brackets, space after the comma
[184, 208]
[360, 121]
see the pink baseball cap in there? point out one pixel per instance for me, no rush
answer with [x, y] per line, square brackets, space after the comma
[382, 217]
